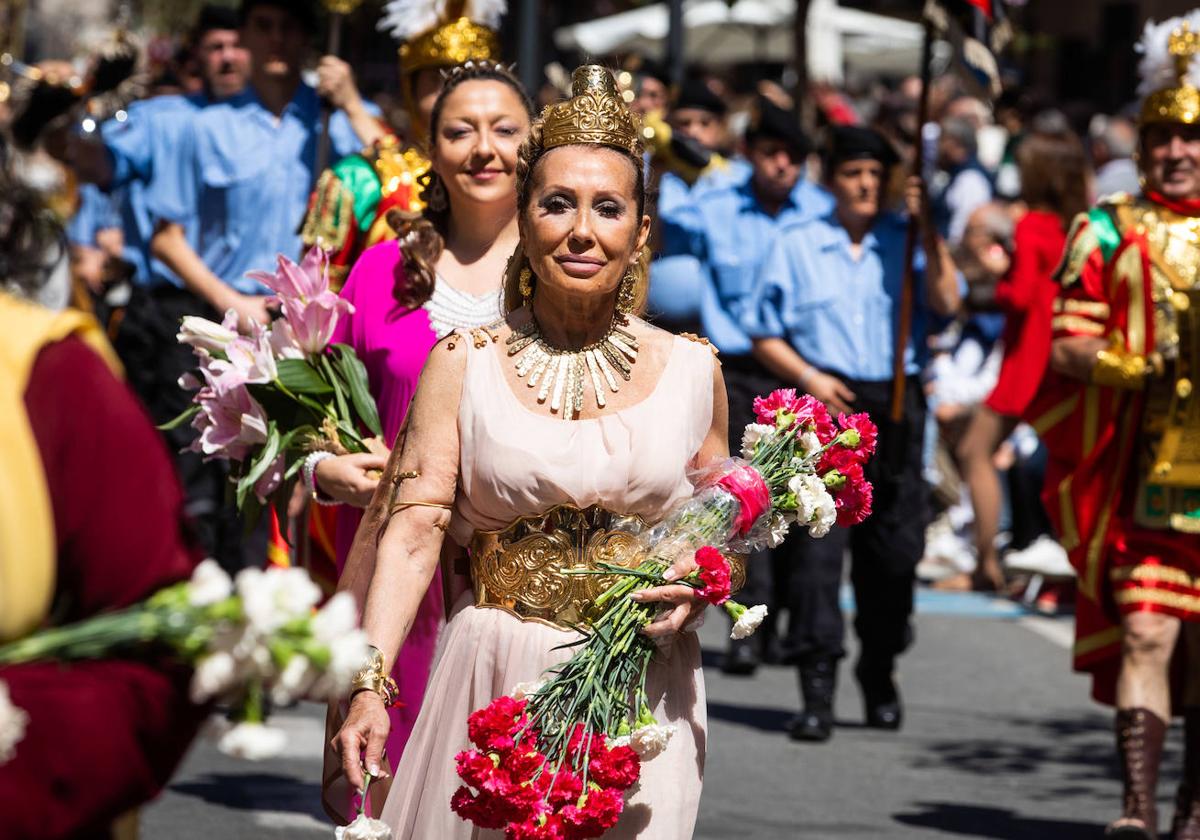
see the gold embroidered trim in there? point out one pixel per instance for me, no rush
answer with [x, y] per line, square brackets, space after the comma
[1076, 324]
[1089, 308]
[1144, 572]
[1163, 597]
[1096, 641]
[1055, 415]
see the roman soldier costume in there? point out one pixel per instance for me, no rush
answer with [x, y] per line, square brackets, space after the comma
[1123, 484]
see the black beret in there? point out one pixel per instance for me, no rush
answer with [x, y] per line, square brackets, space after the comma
[852, 142]
[769, 120]
[695, 94]
[215, 17]
[301, 10]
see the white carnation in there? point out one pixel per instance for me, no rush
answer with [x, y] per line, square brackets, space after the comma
[13, 721]
[364, 828]
[253, 741]
[825, 515]
[209, 584]
[745, 626]
[778, 526]
[752, 435]
[276, 597]
[652, 739]
[525, 689]
[809, 443]
[295, 681]
[215, 674]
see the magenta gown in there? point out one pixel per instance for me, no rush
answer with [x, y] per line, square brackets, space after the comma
[393, 343]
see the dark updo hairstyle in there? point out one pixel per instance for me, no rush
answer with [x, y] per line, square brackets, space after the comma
[422, 236]
[532, 151]
[32, 242]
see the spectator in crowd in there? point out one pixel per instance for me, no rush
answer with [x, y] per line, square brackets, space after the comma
[823, 318]
[1113, 141]
[1054, 187]
[731, 231]
[967, 183]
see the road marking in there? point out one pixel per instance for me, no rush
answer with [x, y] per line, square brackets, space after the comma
[1059, 631]
[292, 821]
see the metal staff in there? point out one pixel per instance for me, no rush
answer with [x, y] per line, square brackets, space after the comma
[338, 9]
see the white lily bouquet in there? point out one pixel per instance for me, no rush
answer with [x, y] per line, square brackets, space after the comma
[255, 637]
[265, 401]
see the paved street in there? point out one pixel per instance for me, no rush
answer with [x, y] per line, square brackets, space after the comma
[1001, 742]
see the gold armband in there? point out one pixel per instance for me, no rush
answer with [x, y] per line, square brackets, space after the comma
[373, 677]
[1116, 368]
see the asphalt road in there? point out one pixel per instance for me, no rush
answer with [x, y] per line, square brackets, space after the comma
[1000, 742]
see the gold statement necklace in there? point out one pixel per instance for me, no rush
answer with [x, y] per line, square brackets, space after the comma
[561, 376]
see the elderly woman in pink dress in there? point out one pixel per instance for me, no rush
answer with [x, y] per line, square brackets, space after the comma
[441, 274]
[595, 446]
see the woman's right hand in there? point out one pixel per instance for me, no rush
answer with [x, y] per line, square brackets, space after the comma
[348, 478]
[361, 739]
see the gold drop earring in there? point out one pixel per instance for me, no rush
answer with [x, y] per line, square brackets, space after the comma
[625, 293]
[525, 285]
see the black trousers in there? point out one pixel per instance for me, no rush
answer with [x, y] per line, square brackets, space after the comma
[154, 360]
[746, 379]
[884, 550]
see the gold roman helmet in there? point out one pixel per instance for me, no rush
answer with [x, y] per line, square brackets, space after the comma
[595, 113]
[1170, 70]
[443, 33]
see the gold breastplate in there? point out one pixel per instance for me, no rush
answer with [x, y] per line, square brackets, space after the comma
[519, 569]
[1174, 266]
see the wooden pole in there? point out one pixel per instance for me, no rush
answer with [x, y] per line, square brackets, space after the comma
[904, 327]
[334, 47]
[676, 59]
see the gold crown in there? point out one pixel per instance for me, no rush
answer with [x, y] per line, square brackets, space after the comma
[1179, 103]
[595, 113]
[447, 44]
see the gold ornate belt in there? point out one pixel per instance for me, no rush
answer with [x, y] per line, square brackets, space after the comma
[519, 568]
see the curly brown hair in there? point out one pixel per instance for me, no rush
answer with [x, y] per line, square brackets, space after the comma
[422, 236]
[532, 151]
[32, 242]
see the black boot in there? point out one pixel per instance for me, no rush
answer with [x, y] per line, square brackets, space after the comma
[881, 700]
[741, 660]
[1140, 736]
[818, 680]
[1186, 825]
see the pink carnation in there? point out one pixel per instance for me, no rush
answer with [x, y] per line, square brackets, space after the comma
[813, 416]
[853, 500]
[868, 434]
[767, 408]
[714, 575]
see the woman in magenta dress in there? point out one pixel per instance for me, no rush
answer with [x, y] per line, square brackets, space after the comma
[442, 274]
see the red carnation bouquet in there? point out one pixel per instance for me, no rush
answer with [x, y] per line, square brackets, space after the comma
[554, 759]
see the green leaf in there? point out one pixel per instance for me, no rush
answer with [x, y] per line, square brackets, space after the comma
[298, 376]
[260, 465]
[343, 409]
[355, 375]
[188, 413]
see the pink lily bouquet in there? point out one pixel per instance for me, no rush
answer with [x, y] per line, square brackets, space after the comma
[265, 400]
[554, 759]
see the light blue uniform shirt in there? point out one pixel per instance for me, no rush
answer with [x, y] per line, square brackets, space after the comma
[730, 233]
[675, 196]
[94, 214]
[246, 176]
[147, 142]
[837, 312]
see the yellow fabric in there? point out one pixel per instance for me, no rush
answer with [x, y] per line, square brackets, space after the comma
[27, 541]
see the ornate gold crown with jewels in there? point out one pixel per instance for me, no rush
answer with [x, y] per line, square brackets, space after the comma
[451, 43]
[595, 113]
[1178, 102]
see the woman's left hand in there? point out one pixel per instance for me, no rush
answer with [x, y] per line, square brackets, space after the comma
[681, 606]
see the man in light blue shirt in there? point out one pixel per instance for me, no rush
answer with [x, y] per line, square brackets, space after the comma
[823, 318]
[246, 167]
[722, 238]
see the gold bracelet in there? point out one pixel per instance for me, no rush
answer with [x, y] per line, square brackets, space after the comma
[1116, 368]
[372, 677]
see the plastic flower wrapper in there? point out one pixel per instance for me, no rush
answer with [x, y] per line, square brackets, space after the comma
[247, 639]
[544, 757]
[265, 400]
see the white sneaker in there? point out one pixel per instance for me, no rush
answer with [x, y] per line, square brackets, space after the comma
[1044, 556]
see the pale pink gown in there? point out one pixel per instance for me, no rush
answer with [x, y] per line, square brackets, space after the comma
[515, 462]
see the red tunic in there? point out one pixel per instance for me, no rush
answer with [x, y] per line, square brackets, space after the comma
[103, 736]
[1027, 295]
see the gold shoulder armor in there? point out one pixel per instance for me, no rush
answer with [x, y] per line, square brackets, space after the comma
[399, 168]
[1082, 241]
[699, 340]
